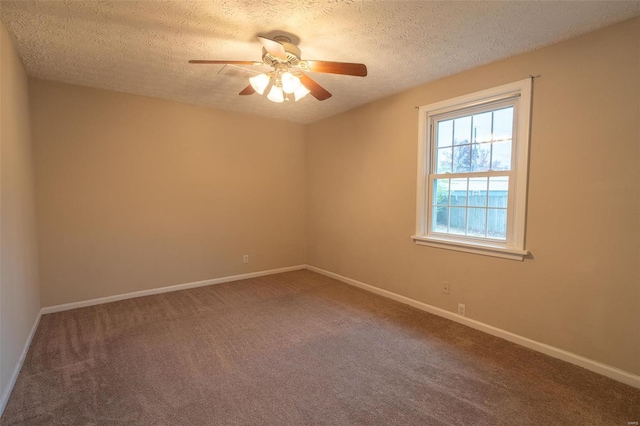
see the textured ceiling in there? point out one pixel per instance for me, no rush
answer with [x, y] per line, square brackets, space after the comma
[142, 47]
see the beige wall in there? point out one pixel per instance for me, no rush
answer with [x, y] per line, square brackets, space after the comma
[580, 292]
[135, 193]
[19, 289]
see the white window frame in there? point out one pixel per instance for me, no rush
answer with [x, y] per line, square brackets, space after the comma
[513, 247]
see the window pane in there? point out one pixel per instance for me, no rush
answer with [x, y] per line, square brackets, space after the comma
[445, 133]
[481, 157]
[461, 158]
[476, 222]
[457, 220]
[497, 223]
[482, 127]
[498, 191]
[441, 192]
[503, 124]
[462, 131]
[478, 192]
[444, 160]
[440, 219]
[501, 156]
[458, 192]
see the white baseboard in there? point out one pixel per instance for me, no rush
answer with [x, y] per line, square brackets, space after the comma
[595, 366]
[16, 370]
[115, 298]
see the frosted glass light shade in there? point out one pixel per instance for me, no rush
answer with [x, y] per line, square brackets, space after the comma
[276, 94]
[300, 92]
[259, 82]
[289, 82]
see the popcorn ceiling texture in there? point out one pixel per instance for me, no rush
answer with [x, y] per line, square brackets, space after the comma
[142, 47]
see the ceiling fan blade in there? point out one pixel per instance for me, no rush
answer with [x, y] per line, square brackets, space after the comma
[249, 90]
[273, 47]
[199, 61]
[344, 68]
[317, 91]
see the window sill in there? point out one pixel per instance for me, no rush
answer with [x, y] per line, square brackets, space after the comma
[475, 248]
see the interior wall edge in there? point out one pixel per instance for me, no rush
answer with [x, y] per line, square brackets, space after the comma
[555, 352]
[19, 278]
[14, 376]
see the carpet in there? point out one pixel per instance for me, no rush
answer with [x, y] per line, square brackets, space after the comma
[296, 348]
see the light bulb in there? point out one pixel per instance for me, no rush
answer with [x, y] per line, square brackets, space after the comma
[276, 94]
[300, 92]
[289, 82]
[259, 82]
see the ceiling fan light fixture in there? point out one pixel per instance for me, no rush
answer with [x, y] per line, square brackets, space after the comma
[259, 82]
[276, 94]
[287, 76]
[300, 92]
[289, 82]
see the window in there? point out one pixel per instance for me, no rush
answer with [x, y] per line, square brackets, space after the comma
[472, 172]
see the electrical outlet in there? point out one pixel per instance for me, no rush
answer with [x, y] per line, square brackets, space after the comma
[245, 258]
[461, 309]
[445, 287]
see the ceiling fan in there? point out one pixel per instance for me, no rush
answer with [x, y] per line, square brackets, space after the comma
[288, 78]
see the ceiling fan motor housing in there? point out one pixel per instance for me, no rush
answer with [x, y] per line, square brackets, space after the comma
[292, 51]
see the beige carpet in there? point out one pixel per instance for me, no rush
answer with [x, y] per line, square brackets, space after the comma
[293, 349]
